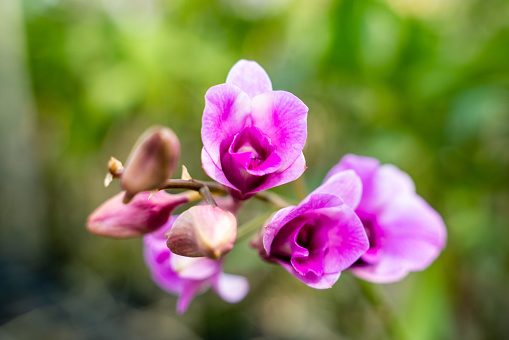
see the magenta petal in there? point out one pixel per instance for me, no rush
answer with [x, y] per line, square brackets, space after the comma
[250, 77]
[213, 170]
[195, 268]
[231, 288]
[282, 177]
[254, 153]
[242, 159]
[226, 112]
[408, 222]
[414, 235]
[278, 221]
[388, 182]
[157, 258]
[385, 272]
[313, 243]
[283, 118]
[325, 281]
[345, 184]
[189, 291]
[270, 165]
[348, 240]
[364, 166]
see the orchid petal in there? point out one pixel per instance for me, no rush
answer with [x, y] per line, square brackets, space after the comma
[283, 118]
[388, 182]
[325, 281]
[345, 184]
[231, 288]
[294, 171]
[365, 167]
[348, 240]
[189, 291]
[213, 170]
[250, 77]
[194, 268]
[226, 112]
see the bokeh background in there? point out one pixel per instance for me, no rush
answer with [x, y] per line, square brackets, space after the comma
[423, 84]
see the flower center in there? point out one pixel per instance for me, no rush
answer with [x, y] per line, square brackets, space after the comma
[252, 147]
[250, 157]
[313, 238]
[256, 157]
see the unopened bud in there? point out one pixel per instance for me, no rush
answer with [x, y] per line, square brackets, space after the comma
[203, 230]
[142, 215]
[151, 162]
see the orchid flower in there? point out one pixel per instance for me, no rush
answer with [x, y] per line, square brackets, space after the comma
[252, 136]
[188, 276]
[317, 239]
[405, 233]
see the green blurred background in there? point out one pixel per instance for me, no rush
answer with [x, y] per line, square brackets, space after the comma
[423, 84]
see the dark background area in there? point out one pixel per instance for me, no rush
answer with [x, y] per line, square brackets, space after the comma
[422, 84]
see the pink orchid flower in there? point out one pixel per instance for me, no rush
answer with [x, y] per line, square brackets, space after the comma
[317, 239]
[405, 233]
[188, 276]
[252, 136]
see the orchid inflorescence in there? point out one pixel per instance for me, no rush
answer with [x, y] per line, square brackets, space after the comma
[364, 217]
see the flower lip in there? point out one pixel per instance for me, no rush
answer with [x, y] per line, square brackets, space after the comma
[313, 238]
[255, 152]
[250, 158]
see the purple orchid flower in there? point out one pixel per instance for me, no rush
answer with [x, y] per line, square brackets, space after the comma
[187, 276]
[405, 233]
[320, 237]
[252, 136]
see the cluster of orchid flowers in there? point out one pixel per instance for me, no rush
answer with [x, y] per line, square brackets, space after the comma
[364, 217]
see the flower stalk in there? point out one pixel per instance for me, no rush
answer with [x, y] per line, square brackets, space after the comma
[391, 323]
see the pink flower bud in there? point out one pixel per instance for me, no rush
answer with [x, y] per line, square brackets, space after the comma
[142, 215]
[151, 162]
[203, 231]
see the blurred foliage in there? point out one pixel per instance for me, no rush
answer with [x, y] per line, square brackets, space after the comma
[423, 84]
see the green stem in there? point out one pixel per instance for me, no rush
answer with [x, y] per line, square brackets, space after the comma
[252, 226]
[390, 321]
[219, 189]
[299, 185]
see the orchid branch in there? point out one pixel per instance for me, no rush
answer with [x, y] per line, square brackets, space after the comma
[252, 226]
[216, 188]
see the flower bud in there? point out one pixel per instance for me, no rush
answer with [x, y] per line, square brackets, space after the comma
[203, 230]
[151, 162]
[142, 215]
